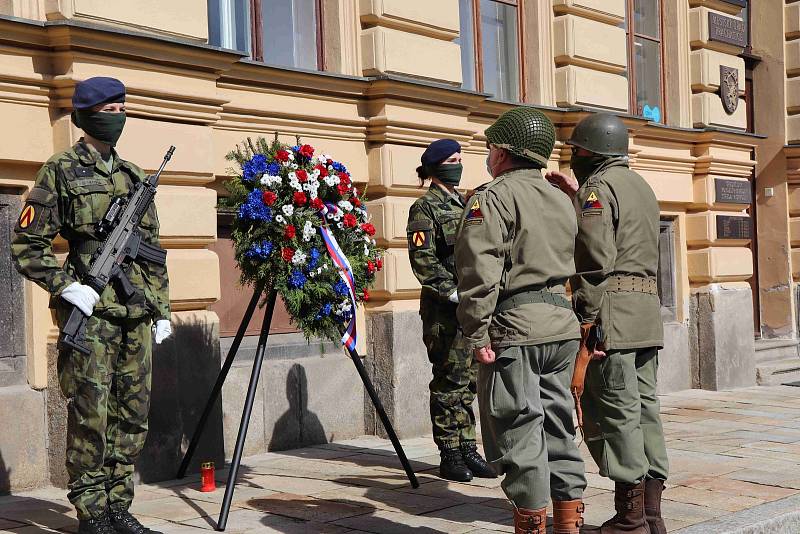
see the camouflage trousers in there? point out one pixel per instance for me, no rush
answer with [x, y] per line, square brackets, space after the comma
[454, 383]
[108, 393]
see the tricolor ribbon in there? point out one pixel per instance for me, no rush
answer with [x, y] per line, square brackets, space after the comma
[350, 336]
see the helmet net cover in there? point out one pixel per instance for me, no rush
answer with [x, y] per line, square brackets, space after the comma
[525, 132]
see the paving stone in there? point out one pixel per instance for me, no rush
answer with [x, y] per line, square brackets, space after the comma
[708, 498]
[175, 509]
[740, 487]
[476, 515]
[307, 508]
[385, 522]
[396, 501]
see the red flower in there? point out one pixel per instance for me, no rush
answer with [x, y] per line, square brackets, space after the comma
[282, 156]
[289, 233]
[306, 150]
[329, 162]
[342, 188]
[344, 178]
[366, 294]
[269, 198]
[287, 253]
[370, 267]
[356, 201]
[302, 176]
[300, 198]
[317, 204]
[368, 228]
[350, 220]
[379, 264]
[323, 172]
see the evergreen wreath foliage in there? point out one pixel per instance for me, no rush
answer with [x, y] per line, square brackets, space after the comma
[278, 194]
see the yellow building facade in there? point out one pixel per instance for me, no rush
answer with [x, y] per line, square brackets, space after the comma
[710, 91]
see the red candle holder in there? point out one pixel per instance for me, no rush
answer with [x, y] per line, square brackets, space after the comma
[207, 479]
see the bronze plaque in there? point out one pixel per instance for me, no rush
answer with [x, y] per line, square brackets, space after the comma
[733, 227]
[727, 30]
[733, 191]
[729, 88]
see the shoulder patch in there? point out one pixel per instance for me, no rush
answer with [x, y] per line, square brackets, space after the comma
[27, 216]
[592, 202]
[474, 214]
[419, 239]
[420, 224]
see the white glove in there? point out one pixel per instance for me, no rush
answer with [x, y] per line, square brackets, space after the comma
[453, 297]
[162, 330]
[83, 297]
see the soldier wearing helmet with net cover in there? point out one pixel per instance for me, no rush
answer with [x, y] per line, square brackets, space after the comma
[514, 255]
[616, 256]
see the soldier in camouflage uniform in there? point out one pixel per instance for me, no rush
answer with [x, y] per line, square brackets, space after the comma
[432, 228]
[616, 256]
[108, 390]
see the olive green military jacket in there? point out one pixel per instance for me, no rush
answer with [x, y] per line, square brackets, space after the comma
[517, 234]
[432, 228]
[618, 221]
[71, 194]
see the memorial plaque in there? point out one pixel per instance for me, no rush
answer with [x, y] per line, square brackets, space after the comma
[726, 29]
[733, 227]
[733, 191]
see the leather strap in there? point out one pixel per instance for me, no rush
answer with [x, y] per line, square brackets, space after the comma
[636, 284]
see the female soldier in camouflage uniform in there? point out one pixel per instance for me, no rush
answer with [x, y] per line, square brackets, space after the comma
[432, 226]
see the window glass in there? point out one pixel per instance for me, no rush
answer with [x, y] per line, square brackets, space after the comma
[647, 18]
[500, 47]
[466, 40]
[290, 32]
[647, 63]
[229, 24]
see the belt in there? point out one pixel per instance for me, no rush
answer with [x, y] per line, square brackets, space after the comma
[636, 284]
[537, 296]
[88, 246]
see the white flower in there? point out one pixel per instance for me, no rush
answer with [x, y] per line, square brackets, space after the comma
[296, 184]
[292, 176]
[330, 216]
[316, 173]
[291, 156]
[299, 258]
[288, 210]
[345, 205]
[265, 180]
[312, 194]
[294, 166]
[366, 250]
[280, 219]
[366, 238]
[339, 225]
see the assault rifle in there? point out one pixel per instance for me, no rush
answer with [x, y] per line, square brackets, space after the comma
[122, 245]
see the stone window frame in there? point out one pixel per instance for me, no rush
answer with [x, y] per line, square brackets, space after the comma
[630, 39]
[667, 271]
[477, 39]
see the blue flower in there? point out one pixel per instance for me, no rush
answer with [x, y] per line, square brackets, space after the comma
[274, 168]
[338, 167]
[254, 208]
[326, 309]
[341, 288]
[259, 164]
[297, 279]
[247, 172]
[260, 250]
[313, 259]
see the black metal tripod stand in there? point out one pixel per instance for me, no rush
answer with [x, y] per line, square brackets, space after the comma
[251, 392]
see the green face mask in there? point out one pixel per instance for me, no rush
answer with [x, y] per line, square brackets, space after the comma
[448, 173]
[105, 127]
[585, 166]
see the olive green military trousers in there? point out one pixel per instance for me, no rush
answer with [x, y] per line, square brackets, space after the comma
[526, 420]
[108, 394]
[454, 381]
[621, 416]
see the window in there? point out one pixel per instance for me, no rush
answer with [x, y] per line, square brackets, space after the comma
[643, 27]
[279, 32]
[490, 49]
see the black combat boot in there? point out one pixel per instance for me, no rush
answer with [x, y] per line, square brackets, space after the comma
[475, 462]
[453, 466]
[124, 523]
[96, 525]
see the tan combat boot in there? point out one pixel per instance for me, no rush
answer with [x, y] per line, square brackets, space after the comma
[629, 503]
[652, 505]
[567, 516]
[530, 521]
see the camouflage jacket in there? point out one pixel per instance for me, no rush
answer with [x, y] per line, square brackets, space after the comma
[71, 194]
[618, 226]
[432, 229]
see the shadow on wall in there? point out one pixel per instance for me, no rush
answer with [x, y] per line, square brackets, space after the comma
[185, 368]
[297, 427]
[5, 478]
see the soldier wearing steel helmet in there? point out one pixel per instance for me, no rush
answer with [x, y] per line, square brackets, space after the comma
[514, 256]
[616, 256]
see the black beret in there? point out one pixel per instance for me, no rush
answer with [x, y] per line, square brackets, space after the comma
[438, 151]
[98, 90]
